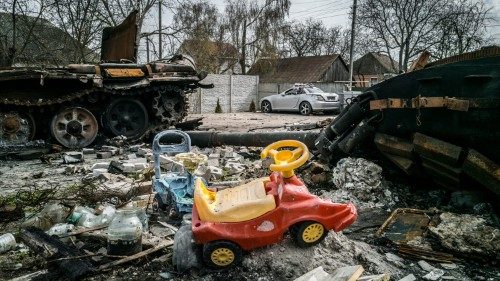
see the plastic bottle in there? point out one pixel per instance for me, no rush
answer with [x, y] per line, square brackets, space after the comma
[125, 233]
[60, 229]
[7, 242]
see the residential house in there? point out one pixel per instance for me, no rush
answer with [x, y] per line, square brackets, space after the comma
[213, 57]
[373, 68]
[312, 69]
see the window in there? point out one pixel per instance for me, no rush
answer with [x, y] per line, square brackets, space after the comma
[373, 81]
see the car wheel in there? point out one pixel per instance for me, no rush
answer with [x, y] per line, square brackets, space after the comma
[305, 108]
[308, 233]
[265, 107]
[185, 251]
[222, 254]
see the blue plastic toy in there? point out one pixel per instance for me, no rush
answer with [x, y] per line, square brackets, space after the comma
[174, 189]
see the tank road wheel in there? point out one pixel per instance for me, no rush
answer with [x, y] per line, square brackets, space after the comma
[16, 127]
[308, 233]
[222, 254]
[74, 127]
[126, 117]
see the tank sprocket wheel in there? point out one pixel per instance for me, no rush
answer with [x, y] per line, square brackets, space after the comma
[74, 127]
[16, 127]
[126, 117]
[170, 106]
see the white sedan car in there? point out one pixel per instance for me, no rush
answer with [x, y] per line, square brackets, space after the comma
[304, 99]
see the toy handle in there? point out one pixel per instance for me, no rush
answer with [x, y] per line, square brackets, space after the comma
[183, 146]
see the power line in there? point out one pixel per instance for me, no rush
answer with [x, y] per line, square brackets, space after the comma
[333, 16]
[317, 7]
[323, 11]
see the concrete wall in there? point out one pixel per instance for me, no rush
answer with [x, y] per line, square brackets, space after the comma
[266, 89]
[235, 93]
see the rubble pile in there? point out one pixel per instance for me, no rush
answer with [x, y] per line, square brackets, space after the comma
[103, 181]
[467, 234]
[360, 181]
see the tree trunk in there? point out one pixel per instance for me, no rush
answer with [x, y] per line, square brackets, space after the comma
[243, 48]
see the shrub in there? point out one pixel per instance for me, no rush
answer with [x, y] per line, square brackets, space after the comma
[218, 108]
[252, 106]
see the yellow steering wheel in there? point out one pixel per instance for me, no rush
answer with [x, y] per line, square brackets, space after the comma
[286, 160]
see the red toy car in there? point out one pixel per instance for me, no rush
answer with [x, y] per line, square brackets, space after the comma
[256, 214]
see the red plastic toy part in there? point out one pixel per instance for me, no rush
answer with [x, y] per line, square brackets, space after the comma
[306, 216]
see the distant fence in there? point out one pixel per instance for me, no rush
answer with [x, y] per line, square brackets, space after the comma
[235, 93]
[267, 89]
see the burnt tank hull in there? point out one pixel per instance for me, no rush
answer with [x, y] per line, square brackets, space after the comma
[71, 105]
[441, 122]
[476, 83]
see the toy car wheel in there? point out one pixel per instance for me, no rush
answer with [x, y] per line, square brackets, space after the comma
[222, 254]
[185, 251]
[158, 204]
[308, 233]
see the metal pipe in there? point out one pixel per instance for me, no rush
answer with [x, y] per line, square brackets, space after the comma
[260, 139]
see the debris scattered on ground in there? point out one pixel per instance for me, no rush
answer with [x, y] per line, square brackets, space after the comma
[467, 235]
[47, 194]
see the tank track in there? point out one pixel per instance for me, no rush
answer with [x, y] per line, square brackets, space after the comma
[160, 117]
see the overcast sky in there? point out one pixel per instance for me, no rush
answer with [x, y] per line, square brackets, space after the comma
[330, 12]
[336, 12]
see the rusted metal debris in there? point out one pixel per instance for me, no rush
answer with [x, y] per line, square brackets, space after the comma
[52, 248]
[406, 226]
[119, 42]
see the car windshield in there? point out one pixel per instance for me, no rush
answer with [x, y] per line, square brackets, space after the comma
[313, 90]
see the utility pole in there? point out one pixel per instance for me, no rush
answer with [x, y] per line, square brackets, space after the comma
[159, 31]
[351, 51]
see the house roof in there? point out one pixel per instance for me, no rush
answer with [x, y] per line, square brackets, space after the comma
[293, 70]
[43, 42]
[374, 63]
[220, 49]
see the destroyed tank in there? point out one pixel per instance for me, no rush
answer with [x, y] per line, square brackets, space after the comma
[440, 121]
[116, 97]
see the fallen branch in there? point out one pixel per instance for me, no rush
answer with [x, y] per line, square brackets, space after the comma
[137, 256]
[88, 256]
[168, 226]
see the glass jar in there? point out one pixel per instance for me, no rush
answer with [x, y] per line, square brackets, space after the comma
[125, 233]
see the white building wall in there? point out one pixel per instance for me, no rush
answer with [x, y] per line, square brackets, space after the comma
[235, 93]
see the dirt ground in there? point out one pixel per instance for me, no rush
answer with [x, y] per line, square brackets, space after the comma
[284, 261]
[244, 121]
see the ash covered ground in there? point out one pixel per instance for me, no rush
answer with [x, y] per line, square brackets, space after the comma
[468, 228]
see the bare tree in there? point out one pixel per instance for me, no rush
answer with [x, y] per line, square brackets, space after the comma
[405, 27]
[305, 38]
[17, 27]
[463, 29]
[79, 18]
[199, 25]
[253, 25]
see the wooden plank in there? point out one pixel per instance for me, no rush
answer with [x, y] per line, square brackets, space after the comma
[348, 273]
[316, 274]
[137, 256]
